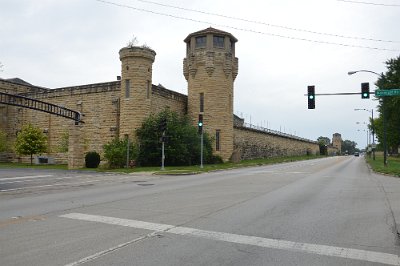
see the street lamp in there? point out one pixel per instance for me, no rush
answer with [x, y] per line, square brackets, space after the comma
[372, 128]
[383, 113]
[369, 71]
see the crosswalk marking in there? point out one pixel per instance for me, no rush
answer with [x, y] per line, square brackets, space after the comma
[332, 251]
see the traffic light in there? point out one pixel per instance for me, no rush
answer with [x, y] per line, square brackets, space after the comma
[311, 97]
[365, 90]
[163, 125]
[200, 124]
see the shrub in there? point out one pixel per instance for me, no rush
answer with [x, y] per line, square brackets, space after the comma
[92, 159]
[115, 153]
[183, 145]
[216, 159]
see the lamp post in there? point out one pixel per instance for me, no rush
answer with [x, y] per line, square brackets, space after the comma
[372, 129]
[384, 122]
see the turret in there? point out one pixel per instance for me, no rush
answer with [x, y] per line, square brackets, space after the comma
[136, 82]
[210, 67]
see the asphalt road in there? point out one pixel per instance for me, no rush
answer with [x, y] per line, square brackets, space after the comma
[329, 211]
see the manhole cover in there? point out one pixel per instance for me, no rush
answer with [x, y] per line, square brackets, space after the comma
[145, 184]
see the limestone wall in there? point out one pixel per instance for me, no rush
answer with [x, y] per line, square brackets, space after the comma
[99, 104]
[252, 143]
[163, 98]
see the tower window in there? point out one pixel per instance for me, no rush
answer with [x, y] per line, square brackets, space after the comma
[201, 41]
[217, 139]
[219, 41]
[127, 88]
[201, 102]
[148, 89]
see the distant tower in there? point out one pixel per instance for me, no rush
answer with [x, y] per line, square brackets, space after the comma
[210, 67]
[136, 80]
[337, 141]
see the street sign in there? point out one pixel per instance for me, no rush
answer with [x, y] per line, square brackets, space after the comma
[383, 93]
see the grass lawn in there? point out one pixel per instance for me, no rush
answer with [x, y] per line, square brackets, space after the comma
[174, 170]
[393, 164]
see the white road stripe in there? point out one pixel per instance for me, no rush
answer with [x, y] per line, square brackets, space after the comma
[347, 253]
[52, 185]
[65, 184]
[24, 177]
[107, 251]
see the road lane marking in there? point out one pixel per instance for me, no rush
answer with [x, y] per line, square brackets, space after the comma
[67, 184]
[107, 251]
[52, 185]
[332, 251]
[23, 177]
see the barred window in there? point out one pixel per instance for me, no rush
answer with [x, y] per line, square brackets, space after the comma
[201, 41]
[127, 88]
[219, 41]
[148, 89]
[201, 102]
[217, 139]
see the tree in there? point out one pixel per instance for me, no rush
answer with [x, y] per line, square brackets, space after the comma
[349, 147]
[323, 142]
[115, 152]
[390, 105]
[30, 141]
[182, 147]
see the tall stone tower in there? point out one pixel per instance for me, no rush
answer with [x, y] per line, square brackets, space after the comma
[210, 67]
[136, 82]
[337, 141]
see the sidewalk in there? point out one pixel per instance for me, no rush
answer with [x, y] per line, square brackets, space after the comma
[391, 186]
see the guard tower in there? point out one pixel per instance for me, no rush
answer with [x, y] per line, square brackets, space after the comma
[337, 141]
[210, 67]
[136, 80]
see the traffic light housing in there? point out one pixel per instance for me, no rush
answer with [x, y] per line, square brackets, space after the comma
[163, 125]
[311, 97]
[200, 124]
[365, 90]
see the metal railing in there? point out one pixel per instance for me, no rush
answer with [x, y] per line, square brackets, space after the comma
[25, 102]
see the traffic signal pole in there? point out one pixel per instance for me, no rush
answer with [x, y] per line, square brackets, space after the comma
[162, 152]
[201, 149]
[200, 130]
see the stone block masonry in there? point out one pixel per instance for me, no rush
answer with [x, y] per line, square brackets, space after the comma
[252, 144]
[116, 109]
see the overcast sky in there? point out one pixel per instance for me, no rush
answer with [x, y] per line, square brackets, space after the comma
[283, 47]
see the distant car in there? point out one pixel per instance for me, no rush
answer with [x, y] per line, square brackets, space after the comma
[356, 154]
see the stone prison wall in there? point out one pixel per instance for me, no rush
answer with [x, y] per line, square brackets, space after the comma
[99, 104]
[252, 143]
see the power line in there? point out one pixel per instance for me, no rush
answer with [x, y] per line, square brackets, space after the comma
[268, 24]
[245, 29]
[369, 3]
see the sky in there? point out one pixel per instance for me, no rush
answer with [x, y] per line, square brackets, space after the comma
[283, 47]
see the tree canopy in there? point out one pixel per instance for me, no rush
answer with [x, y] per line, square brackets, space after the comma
[182, 146]
[349, 147]
[31, 140]
[390, 106]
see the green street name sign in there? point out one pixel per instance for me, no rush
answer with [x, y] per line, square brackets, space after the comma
[383, 93]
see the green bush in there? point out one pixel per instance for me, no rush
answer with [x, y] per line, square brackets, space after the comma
[216, 159]
[115, 153]
[182, 147]
[92, 159]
